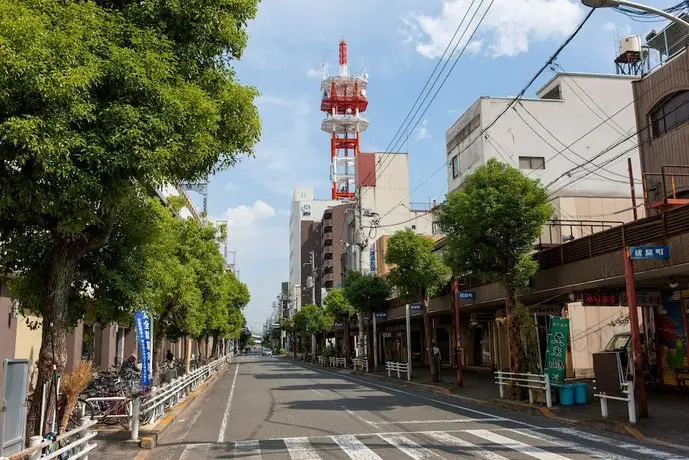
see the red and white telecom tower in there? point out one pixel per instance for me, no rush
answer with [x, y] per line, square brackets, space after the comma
[344, 100]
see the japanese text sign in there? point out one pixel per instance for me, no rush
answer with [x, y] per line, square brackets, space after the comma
[556, 351]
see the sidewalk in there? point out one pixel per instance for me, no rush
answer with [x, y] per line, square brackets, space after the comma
[669, 412]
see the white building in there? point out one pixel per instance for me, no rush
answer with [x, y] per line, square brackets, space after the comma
[384, 190]
[304, 212]
[575, 136]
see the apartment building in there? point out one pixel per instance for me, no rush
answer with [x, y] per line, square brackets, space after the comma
[575, 136]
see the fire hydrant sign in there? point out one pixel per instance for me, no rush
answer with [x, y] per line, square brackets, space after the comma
[556, 351]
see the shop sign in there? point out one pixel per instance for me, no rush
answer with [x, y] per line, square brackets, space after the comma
[649, 252]
[415, 307]
[644, 298]
[381, 314]
[466, 295]
[372, 258]
[556, 351]
[339, 325]
[598, 299]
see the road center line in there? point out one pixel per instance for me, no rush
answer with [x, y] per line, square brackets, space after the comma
[316, 391]
[422, 422]
[226, 415]
[356, 416]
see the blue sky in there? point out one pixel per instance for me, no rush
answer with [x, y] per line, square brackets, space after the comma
[399, 42]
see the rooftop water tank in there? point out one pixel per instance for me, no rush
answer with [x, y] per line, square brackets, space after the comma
[630, 43]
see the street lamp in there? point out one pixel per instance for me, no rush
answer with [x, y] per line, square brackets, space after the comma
[638, 6]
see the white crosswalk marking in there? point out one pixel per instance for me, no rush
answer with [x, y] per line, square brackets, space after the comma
[464, 446]
[524, 448]
[653, 453]
[409, 447]
[301, 449]
[355, 449]
[247, 450]
[594, 453]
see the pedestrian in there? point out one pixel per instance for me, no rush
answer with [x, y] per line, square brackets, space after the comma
[436, 357]
[169, 356]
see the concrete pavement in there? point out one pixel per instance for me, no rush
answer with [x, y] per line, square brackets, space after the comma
[270, 408]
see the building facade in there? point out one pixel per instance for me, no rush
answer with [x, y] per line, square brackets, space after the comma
[576, 137]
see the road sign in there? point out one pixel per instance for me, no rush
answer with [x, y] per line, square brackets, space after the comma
[466, 295]
[649, 252]
[415, 307]
[556, 350]
[381, 314]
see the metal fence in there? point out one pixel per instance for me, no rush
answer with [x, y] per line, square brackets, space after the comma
[72, 444]
[532, 382]
[13, 412]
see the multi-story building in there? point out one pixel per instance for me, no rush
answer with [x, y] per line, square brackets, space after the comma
[304, 237]
[575, 136]
[333, 261]
[383, 186]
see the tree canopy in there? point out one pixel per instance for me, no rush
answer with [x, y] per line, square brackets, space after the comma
[417, 272]
[337, 303]
[366, 292]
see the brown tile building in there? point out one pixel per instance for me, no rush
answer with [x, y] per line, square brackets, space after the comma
[333, 265]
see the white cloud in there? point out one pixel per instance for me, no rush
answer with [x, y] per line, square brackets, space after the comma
[507, 29]
[314, 73]
[422, 130]
[247, 216]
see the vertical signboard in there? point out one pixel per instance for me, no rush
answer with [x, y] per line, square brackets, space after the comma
[556, 351]
[143, 337]
[372, 258]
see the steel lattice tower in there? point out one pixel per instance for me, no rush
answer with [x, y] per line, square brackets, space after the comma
[344, 100]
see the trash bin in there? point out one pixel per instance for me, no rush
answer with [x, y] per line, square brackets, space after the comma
[566, 393]
[580, 396]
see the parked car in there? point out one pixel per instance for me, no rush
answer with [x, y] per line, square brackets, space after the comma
[267, 352]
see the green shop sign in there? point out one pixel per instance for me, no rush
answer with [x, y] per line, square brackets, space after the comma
[556, 351]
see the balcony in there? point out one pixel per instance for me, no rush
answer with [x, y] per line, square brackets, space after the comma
[328, 264]
[328, 224]
[327, 238]
[667, 189]
[328, 252]
[328, 278]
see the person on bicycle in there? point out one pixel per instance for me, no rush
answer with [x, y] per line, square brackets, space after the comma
[129, 365]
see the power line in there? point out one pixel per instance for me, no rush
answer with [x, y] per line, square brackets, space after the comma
[516, 98]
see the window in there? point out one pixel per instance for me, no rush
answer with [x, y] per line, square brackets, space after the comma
[455, 166]
[531, 163]
[554, 93]
[673, 112]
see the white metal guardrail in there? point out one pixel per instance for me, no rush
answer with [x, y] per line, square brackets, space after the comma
[532, 382]
[394, 366]
[628, 389]
[360, 363]
[72, 444]
[321, 360]
[154, 404]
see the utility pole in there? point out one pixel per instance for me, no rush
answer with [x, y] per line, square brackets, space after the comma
[313, 277]
[362, 243]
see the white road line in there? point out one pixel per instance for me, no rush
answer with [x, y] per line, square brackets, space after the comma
[226, 415]
[195, 447]
[625, 445]
[355, 449]
[316, 391]
[590, 451]
[356, 416]
[465, 447]
[409, 447]
[524, 448]
[247, 450]
[437, 401]
[422, 422]
[300, 449]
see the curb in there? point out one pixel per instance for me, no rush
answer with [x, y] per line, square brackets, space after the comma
[148, 439]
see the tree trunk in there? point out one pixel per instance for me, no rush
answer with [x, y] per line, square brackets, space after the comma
[52, 357]
[214, 350]
[187, 354]
[428, 333]
[510, 303]
[347, 353]
[157, 351]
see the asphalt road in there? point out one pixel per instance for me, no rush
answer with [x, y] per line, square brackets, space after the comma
[270, 408]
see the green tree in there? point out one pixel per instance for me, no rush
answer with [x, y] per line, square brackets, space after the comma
[490, 225]
[339, 306]
[290, 329]
[98, 98]
[419, 274]
[367, 293]
[313, 320]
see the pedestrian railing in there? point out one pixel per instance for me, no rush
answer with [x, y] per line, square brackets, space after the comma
[300, 356]
[337, 362]
[166, 396]
[321, 360]
[72, 444]
[627, 389]
[394, 366]
[532, 382]
[360, 363]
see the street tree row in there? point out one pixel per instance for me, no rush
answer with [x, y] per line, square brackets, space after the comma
[490, 225]
[101, 103]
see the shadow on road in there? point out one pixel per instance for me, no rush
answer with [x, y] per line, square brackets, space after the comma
[319, 386]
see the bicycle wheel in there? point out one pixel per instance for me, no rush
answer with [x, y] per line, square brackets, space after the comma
[82, 409]
[125, 410]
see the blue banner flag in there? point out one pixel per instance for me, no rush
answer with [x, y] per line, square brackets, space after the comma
[143, 337]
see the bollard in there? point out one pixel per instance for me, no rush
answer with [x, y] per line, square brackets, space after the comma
[134, 423]
[548, 394]
[500, 385]
[631, 402]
